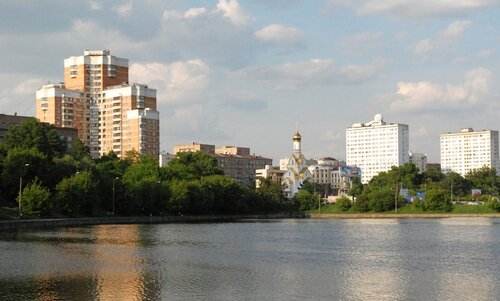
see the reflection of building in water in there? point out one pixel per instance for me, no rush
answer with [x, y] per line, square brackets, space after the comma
[121, 272]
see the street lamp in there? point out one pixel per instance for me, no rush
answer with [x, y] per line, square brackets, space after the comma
[21, 188]
[113, 212]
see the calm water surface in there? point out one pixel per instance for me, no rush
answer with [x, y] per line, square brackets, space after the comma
[364, 259]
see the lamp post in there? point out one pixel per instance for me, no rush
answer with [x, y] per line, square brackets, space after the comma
[21, 188]
[113, 212]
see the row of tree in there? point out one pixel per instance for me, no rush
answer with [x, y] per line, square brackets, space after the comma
[439, 190]
[47, 180]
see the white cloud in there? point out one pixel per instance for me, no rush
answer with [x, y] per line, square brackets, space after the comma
[277, 33]
[179, 81]
[456, 29]
[313, 72]
[94, 5]
[408, 8]
[27, 87]
[195, 12]
[232, 10]
[427, 96]
[422, 47]
[124, 10]
[485, 53]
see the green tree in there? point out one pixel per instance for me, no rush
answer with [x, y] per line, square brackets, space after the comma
[307, 200]
[35, 200]
[223, 195]
[486, 179]
[356, 187]
[144, 190]
[76, 195]
[192, 165]
[454, 182]
[33, 134]
[437, 199]
[269, 197]
[28, 163]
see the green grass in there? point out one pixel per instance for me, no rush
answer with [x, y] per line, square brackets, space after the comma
[480, 209]
[410, 209]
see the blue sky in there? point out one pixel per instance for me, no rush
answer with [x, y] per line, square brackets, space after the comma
[236, 72]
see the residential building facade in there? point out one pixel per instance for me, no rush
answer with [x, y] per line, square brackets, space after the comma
[268, 172]
[376, 146]
[97, 100]
[467, 150]
[235, 161]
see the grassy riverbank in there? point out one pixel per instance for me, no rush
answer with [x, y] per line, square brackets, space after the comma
[410, 210]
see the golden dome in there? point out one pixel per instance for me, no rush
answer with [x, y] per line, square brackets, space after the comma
[297, 137]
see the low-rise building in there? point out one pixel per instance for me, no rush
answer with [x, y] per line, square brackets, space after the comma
[165, 158]
[419, 160]
[235, 161]
[276, 175]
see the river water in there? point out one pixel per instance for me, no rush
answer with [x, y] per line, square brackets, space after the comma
[354, 259]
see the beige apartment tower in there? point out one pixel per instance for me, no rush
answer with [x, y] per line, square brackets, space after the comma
[129, 120]
[97, 100]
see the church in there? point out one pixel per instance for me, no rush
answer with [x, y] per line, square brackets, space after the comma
[296, 171]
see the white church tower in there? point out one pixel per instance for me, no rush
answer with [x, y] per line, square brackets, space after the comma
[296, 171]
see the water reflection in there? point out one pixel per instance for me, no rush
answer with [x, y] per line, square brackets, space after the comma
[387, 259]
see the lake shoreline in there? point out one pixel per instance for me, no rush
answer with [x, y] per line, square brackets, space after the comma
[399, 215]
[72, 222]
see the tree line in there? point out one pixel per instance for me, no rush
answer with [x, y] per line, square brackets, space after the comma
[438, 191]
[47, 180]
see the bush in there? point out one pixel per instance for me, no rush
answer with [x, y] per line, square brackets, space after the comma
[493, 204]
[35, 200]
[344, 204]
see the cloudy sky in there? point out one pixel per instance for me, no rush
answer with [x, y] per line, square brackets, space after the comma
[246, 72]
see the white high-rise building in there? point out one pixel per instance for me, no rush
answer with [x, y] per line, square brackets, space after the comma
[376, 146]
[466, 150]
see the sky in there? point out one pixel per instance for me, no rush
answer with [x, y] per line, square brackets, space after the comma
[249, 72]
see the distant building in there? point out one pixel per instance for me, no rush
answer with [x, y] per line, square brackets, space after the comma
[419, 160]
[96, 99]
[467, 150]
[165, 158]
[6, 121]
[434, 166]
[275, 175]
[236, 162]
[194, 147]
[68, 135]
[376, 146]
[297, 171]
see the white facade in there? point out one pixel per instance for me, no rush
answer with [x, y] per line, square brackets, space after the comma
[376, 146]
[296, 172]
[466, 150]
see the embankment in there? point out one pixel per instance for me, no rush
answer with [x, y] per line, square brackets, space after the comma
[392, 215]
[71, 222]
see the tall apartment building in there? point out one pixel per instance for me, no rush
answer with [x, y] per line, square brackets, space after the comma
[466, 150]
[128, 120]
[97, 100]
[376, 146]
